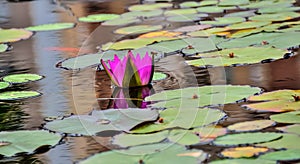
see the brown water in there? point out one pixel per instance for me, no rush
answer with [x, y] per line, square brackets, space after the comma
[66, 92]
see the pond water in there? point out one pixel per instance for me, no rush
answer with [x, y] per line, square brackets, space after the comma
[76, 91]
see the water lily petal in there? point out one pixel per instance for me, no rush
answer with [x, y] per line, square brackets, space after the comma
[131, 76]
[109, 73]
[114, 63]
[119, 70]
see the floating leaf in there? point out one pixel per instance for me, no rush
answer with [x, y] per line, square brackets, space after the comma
[183, 137]
[3, 47]
[145, 7]
[294, 129]
[189, 4]
[186, 18]
[240, 152]
[202, 96]
[103, 121]
[138, 29]
[278, 40]
[268, 10]
[287, 141]
[126, 140]
[159, 76]
[207, 32]
[243, 161]
[155, 153]
[121, 21]
[180, 12]
[144, 14]
[275, 17]
[222, 21]
[160, 34]
[14, 35]
[98, 17]
[246, 138]
[208, 2]
[192, 28]
[52, 26]
[289, 117]
[283, 155]
[209, 133]
[184, 118]
[251, 125]
[210, 9]
[234, 56]
[4, 85]
[26, 141]
[18, 95]
[243, 14]
[276, 101]
[249, 24]
[263, 4]
[22, 78]
[233, 2]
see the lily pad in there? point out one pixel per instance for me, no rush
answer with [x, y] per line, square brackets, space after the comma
[289, 117]
[52, 26]
[14, 35]
[180, 12]
[138, 29]
[189, 4]
[155, 153]
[233, 2]
[222, 21]
[268, 10]
[3, 47]
[4, 85]
[160, 34]
[144, 14]
[182, 118]
[186, 18]
[249, 24]
[278, 40]
[287, 141]
[103, 121]
[210, 9]
[159, 76]
[294, 129]
[183, 137]
[275, 17]
[22, 78]
[276, 101]
[209, 133]
[147, 7]
[208, 2]
[228, 57]
[121, 21]
[251, 125]
[202, 96]
[246, 138]
[192, 28]
[98, 17]
[283, 155]
[26, 141]
[242, 152]
[243, 14]
[263, 4]
[18, 95]
[243, 161]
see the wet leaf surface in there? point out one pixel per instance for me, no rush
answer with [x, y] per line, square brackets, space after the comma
[289, 117]
[286, 141]
[138, 29]
[284, 155]
[22, 78]
[4, 85]
[51, 27]
[14, 35]
[251, 125]
[18, 95]
[98, 17]
[293, 129]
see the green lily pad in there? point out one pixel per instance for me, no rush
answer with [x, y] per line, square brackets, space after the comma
[222, 21]
[202, 96]
[283, 155]
[183, 137]
[287, 141]
[159, 76]
[182, 118]
[180, 12]
[246, 32]
[98, 17]
[210, 9]
[294, 129]
[249, 24]
[144, 14]
[290, 117]
[192, 28]
[155, 153]
[22, 78]
[52, 26]
[189, 4]
[208, 2]
[243, 161]
[4, 85]
[138, 29]
[269, 10]
[275, 17]
[14, 35]
[121, 21]
[241, 14]
[276, 101]
[208, 32]
[186, 18]
[3, 47]
[278, 40]
[103, 121]
[251, 125]
[240, 56]
[148, 7]
[233, 2]
[18, 95]
[263, 4]
[209, 133]
[26, 141]
[246, 138]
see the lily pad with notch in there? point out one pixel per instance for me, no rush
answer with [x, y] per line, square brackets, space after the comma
[51, 27]
[286, 141]
[289, 117]
[293, 129]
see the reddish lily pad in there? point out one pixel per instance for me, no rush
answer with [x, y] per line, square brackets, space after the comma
[276, 101]
[251, 125]
[242, 152]
[289, 117]
[14, 35]
[294, 129]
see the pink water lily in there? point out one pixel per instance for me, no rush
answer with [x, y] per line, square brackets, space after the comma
[131, 71]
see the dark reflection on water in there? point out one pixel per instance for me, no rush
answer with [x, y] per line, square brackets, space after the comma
[78, 92]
